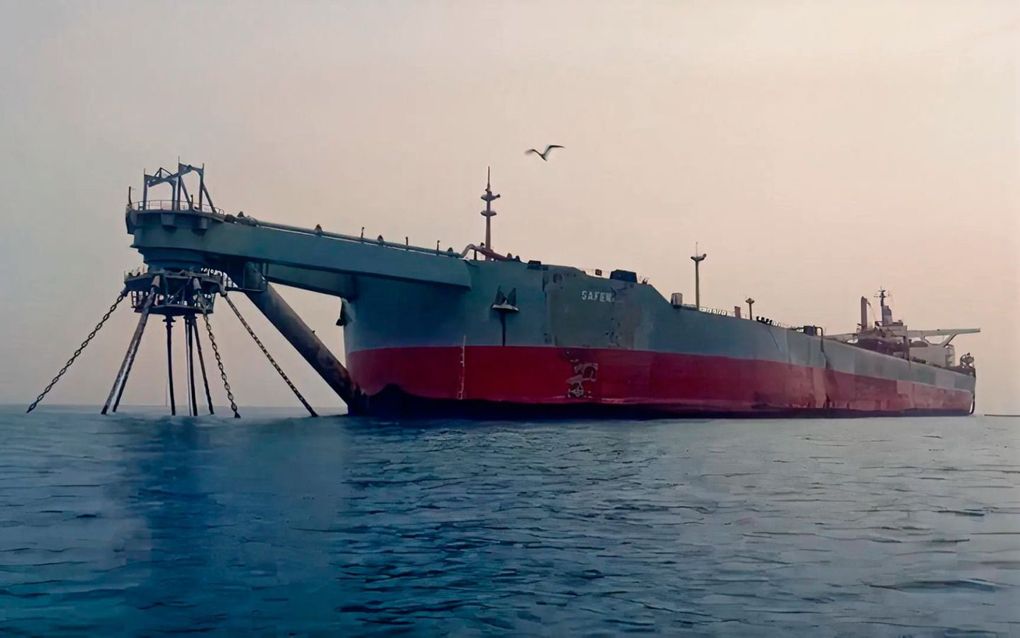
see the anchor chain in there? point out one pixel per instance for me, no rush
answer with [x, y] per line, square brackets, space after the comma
[91, 335]
[219, 362]
[258, 341]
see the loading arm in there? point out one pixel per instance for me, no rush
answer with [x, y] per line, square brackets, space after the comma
[299, 257]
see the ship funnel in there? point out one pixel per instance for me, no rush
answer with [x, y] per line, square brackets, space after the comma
[864, 313]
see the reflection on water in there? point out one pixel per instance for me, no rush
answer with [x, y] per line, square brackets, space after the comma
[146, 524]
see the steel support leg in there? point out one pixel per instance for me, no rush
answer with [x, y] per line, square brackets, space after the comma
[143, 321]
[129, 357]
[170, 362]
[120, 380]
[201, 363]
[132, 352]
[188, 321]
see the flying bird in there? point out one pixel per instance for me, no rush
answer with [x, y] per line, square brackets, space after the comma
[543, 154]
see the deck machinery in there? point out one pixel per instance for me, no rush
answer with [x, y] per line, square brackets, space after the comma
[890, 336]
[433, 331]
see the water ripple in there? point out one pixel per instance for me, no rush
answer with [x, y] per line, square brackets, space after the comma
[148, 525]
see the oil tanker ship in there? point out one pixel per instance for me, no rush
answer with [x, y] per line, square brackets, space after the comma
[431, 330]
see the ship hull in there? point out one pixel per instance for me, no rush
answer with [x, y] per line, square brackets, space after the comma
[536, 339]
[549, 381]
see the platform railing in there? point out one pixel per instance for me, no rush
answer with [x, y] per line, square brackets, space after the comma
[378, 241]
[167, 205]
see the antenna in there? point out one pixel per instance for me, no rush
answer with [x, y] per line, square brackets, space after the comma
[885, 310]
[882, 296]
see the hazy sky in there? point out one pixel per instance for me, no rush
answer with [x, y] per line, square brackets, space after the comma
[815, 150]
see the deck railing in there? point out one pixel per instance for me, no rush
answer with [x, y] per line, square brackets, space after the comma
[730, 313]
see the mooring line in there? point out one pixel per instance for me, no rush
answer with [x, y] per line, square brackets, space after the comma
[219, 362]
[91, 335]
[258, 341]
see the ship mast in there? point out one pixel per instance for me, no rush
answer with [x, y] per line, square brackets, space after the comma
[488, 213]
[697, 259]
[886, 311]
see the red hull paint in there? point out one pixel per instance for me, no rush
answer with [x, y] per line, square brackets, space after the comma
[662, 381]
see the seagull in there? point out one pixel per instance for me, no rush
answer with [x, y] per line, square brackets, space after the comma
[544, 154]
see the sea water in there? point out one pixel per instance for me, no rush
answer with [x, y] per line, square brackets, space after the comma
[143, 524]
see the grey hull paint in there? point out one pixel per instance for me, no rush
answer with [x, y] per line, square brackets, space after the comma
[565, 307]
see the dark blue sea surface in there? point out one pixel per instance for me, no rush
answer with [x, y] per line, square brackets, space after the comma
[146, 525]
